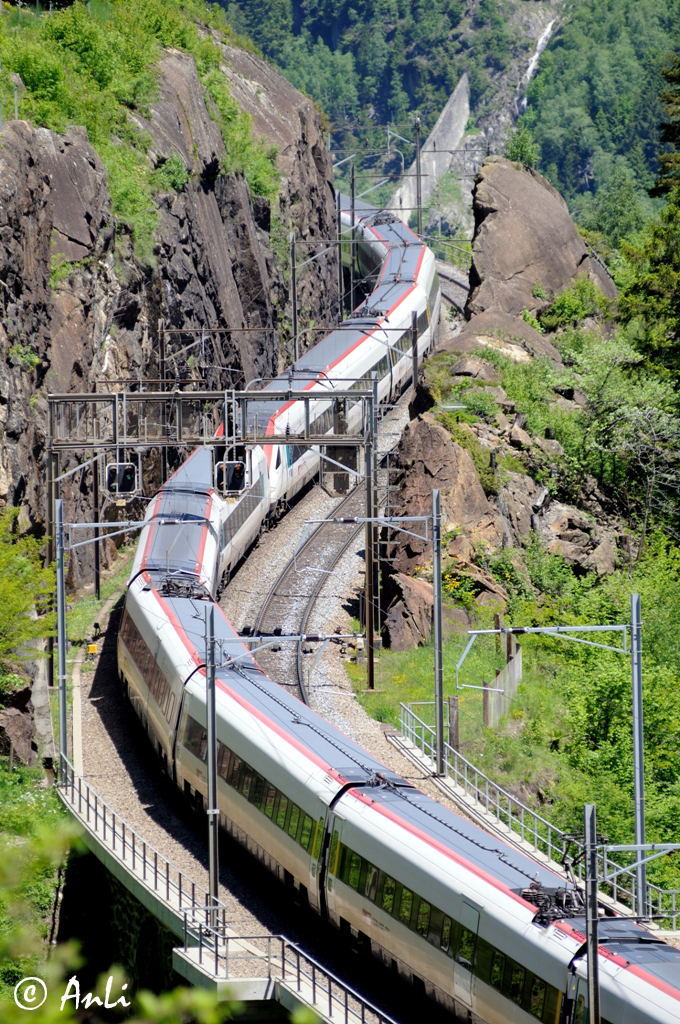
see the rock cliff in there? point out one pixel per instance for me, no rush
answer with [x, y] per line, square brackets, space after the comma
[78, 310]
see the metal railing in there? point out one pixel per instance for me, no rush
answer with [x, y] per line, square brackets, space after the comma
[449, 250]
[545, 837]
[145, 862]
[276, 957]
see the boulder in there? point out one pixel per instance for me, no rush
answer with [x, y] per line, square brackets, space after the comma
[519, 438]
[408, 622]
[603, 559]
[516, 502]
[524, 241]
[17, 729]
[506, 333]
[470, 366]
[428, 458]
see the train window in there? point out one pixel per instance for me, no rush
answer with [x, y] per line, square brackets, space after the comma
[466, 948]
[223, 761]
[371, 883]
[256, 791]
[268, 807]
[516, 983]
[333, 859]
[171, 708]
[281, 811]
[497, 965]
[235, 775]
[354, 870]
[306, 834]
[581, 1015]
[445, 943]
[293, 821]
[435, 929]
[195, 738]
[246, 780]
[423, 918]
[388, 894]
[405, 906]
[537, 998]
[318, 836]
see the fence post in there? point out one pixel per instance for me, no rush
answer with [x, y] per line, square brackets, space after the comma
[453, 723]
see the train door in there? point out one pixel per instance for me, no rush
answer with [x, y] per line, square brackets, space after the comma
[465, 953]
[329, 861]
[579, 1007]
[316, 853]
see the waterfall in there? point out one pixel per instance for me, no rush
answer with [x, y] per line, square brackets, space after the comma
[520, 104]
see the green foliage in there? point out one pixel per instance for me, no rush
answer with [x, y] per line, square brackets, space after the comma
[255, 160]
[594, 102]
[92, 67]
[521, 147]
[479, 455]
[170, 174]
[538, 291]
[26, 585]
[650, 301]
[459, 588]
[581, 299]
[24, 356]
[530, 319]
[669, 158]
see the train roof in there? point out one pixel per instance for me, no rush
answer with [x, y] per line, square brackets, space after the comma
[195, 473]
[172, 542]
[627, 941]
[488, 856]
[329, 748]
[398, 275]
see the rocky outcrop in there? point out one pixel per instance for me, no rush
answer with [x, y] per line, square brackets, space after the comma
[586, 545]
[72, 316]
[427, 458]
[408, 621]
[525, 242]
[17, 730]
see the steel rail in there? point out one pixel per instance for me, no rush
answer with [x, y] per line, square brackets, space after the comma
[309, 550]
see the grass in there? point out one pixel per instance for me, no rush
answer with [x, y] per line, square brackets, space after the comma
[82, 611]
[408, 676]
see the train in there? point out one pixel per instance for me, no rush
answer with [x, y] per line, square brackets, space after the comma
[483, 930]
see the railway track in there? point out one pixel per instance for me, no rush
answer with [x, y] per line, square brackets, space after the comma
[290, 601]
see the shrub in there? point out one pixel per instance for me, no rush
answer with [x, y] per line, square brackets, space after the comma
[580, 300]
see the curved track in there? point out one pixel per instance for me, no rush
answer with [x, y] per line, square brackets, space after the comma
[290, 601]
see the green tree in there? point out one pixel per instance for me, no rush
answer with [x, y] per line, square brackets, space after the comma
[521, 147]
[26, 586]
[650, 301]
[669, 160]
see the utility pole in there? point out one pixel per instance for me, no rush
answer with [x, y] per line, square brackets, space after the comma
[638, 750]
[370, 638]
[97, 567]
[438, 662]
[341, 282]
[414, 348]
[293, 295]
[161, 366]
[416, 125]
[61, 636]
[351, 248]
[590, 842]
[213, 812]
